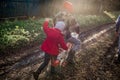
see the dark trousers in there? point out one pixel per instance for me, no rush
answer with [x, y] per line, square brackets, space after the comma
[45, 63]
[71, 56]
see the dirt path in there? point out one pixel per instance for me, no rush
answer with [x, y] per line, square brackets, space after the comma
[29, 64]
[96, 62]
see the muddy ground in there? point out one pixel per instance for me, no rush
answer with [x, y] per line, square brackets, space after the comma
[94, 62]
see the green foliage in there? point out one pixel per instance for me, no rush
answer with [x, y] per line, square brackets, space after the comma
[20, 33]
[90, 21]
[94, 20]
[116, 14]
[16, 34]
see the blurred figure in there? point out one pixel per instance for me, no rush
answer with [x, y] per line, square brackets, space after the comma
[72, 29]
[118, 35]
[54, 40]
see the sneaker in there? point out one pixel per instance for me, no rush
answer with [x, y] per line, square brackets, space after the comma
[35, 75]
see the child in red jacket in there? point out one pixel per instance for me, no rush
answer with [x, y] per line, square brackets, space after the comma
[54, 40]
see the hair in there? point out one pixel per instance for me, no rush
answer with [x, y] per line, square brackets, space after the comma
[60, 25]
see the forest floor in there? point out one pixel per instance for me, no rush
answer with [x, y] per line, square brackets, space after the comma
[94, 62]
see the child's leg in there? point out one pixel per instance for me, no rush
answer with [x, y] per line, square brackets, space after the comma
[42, 66]
[53, 64]
[71, 55]
[74, 47]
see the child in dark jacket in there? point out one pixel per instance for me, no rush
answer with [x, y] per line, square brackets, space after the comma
[72, 36]
[54, 40]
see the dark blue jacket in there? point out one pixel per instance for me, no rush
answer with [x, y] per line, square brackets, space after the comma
[118, 24]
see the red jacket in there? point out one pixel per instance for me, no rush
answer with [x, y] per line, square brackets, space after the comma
[54, 40]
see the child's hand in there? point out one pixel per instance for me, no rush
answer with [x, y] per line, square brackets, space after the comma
[69, 45]
[60, 50]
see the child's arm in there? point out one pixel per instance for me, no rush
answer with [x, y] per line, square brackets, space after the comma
[46, 25]
[62, 43]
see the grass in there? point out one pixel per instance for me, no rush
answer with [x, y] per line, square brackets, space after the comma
[20, 33]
